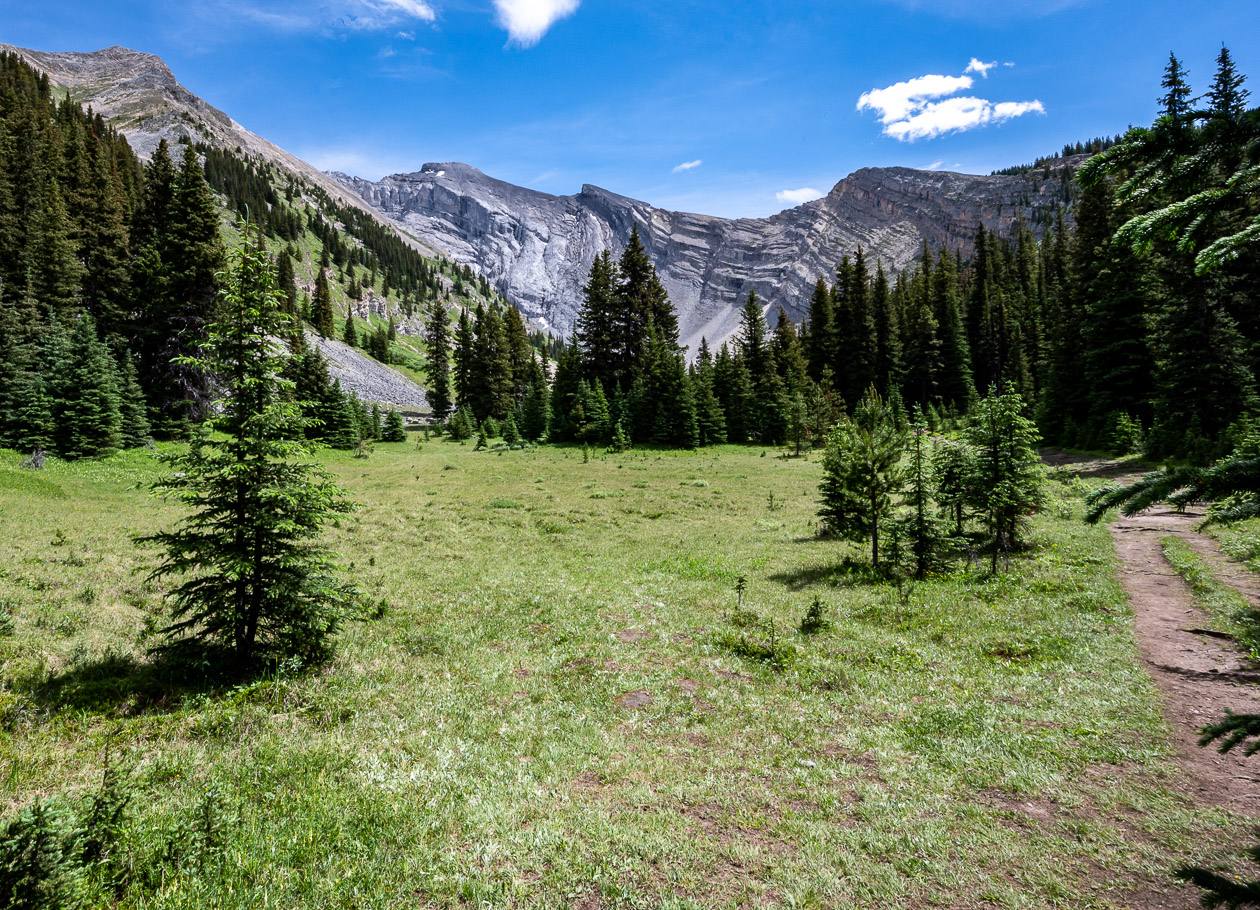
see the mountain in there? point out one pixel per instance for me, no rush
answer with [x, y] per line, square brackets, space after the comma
[537, 248]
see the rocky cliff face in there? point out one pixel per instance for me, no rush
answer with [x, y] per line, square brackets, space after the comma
[537, 248]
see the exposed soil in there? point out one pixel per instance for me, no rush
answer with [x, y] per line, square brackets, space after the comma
[1199, 675]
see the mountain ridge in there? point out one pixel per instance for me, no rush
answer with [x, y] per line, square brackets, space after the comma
[537, 247]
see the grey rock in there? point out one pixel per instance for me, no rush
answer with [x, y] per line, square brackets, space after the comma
[370, 379]
[538, 248]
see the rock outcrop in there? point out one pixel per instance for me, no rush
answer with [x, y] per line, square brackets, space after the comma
[370, 379]
[537, 248]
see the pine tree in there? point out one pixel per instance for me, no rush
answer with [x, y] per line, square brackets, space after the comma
[438, 346]
[252, 581]
[921, 526]
[464, 356]
[862, 472]
[820, 344]
[1007, 482]
[536, 408]
[597, 326]
[394, 430]
[133, 410]
[88, 409]
[955, 383]
[321, 302]
[1176, 100]
[350, 336]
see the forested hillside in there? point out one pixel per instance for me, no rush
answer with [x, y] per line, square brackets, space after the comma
[108, 276]
[1131, 325]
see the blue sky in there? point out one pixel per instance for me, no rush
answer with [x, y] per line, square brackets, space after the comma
[730, 108]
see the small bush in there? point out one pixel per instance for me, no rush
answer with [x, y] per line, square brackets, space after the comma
[41, 866]
[815, 619]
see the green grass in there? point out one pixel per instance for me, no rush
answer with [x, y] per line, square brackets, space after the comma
[1229, 611]
[559, 705]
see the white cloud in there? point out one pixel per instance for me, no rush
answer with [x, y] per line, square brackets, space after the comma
[799, 196]
[527, 21]
[688, 166]
[901, 99]
[979, 66]
[935, 166]
[921, 108]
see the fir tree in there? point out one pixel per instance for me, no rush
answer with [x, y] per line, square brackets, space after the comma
[321, 301]
[394, 430]
[133, 411]
[251, 578]
[350, 336]
[88, 408]
[862, 472]
[438, 345]
[1007, 482]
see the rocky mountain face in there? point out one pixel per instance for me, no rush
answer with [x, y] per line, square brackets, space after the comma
[140, 97]
[537, 248]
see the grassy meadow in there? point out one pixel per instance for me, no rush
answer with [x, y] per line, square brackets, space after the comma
[555, 702]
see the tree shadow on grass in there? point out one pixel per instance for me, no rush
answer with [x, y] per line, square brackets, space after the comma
[845, 574]
[124, 685]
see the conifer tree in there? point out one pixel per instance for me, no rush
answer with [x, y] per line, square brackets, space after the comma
[536, 408]
[133, 410]
[597, 328]
[321, 301]
[251, 579]
[862, 472]
[350, 336]
[921, 524]
[1007, 482]
[88, 410]
[394, 429]
[820, 343]
[464, 355]
[955, 383]
[438, 347]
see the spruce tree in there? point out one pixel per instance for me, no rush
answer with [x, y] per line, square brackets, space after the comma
[321, 301]
[251, 579]
[349, 335]
[438, 348]
[88, 410]
[132, 407]
[464, 356]
[536, 408]
[394, 429]
[1007, 482]
[862, 473]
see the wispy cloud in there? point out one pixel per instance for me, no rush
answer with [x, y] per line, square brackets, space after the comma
[922, 108]
[989, 11]
[798, 196]
[526, 21]
[688, 166]
[935, 165]
[339, 15]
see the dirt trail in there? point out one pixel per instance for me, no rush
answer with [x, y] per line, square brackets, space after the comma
[1199, 675]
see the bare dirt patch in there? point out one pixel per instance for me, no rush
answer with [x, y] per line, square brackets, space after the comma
[635, 699]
